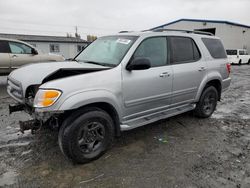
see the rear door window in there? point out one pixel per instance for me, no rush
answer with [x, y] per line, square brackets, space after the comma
[215, 48]
[4, 47]
[183, 50]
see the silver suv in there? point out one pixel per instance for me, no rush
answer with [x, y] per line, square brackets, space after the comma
[118, 83]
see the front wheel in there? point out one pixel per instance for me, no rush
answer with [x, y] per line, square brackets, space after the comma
[207, 103]
[86, 135]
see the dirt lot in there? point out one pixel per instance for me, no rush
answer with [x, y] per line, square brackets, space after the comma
[182, 151]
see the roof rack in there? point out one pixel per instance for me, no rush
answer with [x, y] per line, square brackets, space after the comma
[125, 31]
[184, 31]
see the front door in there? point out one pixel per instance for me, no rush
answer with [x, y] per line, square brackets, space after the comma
[148, 91]
[21, 54]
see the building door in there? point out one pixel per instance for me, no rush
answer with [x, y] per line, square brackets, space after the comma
[209, 30]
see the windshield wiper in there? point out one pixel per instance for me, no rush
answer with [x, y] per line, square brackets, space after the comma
[102, 64]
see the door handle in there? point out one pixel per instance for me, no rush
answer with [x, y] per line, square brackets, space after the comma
[14, 56]
[164, 74]
[202, 69]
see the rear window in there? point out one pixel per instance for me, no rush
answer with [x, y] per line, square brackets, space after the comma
[183, 50]
[231, 52]
[215, 48]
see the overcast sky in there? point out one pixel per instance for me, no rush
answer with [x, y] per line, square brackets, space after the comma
[101, 17]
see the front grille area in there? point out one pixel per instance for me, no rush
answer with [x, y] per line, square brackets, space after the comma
[14, 88]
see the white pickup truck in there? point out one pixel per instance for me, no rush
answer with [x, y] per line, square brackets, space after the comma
[238, 56]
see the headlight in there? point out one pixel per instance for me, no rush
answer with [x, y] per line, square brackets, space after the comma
[46, 98]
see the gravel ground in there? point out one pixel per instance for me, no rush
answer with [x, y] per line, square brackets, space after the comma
[181, 151]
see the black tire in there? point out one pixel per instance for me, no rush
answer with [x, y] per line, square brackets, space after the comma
[207, 103]
[86, 135]
[248, 62]
[240, 62]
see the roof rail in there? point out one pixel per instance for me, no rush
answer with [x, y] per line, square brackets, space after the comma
[184, 31]
[125, 31]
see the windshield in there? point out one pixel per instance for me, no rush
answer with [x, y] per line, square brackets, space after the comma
[106, 51]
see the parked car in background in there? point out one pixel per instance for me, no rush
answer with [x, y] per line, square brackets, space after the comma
[15, 53]
[121, 82]
[238, 56]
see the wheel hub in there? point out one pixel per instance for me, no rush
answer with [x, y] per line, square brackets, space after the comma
[209, 103]
[91, 136]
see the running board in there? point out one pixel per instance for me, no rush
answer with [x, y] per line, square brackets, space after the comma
[138, 122]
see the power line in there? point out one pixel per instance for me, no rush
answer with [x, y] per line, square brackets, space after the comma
[58, 25]
[41, 30]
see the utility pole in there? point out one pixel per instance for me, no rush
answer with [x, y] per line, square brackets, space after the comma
[76, 29]
[76, 33]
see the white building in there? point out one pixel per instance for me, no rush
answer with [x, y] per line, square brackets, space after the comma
[69, 47]
[233, 35]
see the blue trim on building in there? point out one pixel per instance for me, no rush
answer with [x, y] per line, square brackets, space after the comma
[200, 20]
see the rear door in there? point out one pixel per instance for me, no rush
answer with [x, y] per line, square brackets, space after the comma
[4, 57]
[244, 57]
[21, 54]
[188, 69]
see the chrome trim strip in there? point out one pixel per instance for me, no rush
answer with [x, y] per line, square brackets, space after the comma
[159, 97]
[147, 99]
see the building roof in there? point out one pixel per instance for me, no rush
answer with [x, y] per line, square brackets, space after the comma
[43, 38]
[200, 20]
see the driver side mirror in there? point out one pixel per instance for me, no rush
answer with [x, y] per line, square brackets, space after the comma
[139, 63]
[34, 51]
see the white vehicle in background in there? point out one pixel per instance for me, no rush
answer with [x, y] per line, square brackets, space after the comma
[238, 56]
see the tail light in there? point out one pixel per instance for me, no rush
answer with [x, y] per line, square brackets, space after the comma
[228, 68]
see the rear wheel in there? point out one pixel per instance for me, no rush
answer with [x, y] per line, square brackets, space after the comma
[248, 62]
[207, 103]
[86, 135]
[240, 62]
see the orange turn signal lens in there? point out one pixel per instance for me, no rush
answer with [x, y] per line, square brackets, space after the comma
[51, 94]
[47, 102]
[46, 98]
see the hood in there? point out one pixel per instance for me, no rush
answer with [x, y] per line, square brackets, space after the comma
[39, 73]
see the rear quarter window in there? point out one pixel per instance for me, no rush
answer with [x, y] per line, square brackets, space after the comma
[215, 48]
[241, 52]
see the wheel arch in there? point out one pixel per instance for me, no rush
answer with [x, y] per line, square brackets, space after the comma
[105, 106]
[216, 82]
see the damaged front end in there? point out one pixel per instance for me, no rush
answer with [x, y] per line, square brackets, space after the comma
[23, 86]
[39, 119]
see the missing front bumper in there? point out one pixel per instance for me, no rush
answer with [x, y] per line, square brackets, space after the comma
[32, 125]
[16, 108]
